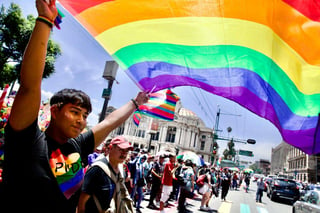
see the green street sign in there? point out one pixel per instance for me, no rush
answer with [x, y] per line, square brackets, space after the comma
[246, 153]
[106, 93]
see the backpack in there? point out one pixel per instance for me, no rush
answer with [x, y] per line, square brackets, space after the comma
[124, 202]
[201, 179]
[178, 175]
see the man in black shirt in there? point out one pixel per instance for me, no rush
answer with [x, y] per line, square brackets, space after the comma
[43, 171]
[97, 183]
[156, 172]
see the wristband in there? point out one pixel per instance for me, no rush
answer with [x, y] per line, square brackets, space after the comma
[45, 20]
[135, 103]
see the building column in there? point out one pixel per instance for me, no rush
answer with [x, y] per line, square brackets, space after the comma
[163, 133]
[190, 138]
[183, 136]
[178, 134]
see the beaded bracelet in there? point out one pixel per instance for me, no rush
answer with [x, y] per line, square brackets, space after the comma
[45, 20]
[135, 103]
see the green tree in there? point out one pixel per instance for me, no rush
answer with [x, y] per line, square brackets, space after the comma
[255, 168]
[15, 31]
[230, 150]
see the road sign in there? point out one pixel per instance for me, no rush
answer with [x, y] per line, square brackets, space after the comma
[245, 153]
[106, 93]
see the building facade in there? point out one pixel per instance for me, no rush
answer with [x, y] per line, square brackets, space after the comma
[279, 159]
[292, 162]
[302, 166]
[186, 132]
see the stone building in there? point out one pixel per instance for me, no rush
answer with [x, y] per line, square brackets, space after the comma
[279, 158]
[186, 132]
[264, 165]
[294, 163]
[302, 166]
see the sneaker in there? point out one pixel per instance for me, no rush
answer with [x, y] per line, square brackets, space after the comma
[152, 206]
[203, 208]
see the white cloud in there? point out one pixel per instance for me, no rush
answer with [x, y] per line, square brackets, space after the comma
[68, 71]
[93, 119]
[45, 95]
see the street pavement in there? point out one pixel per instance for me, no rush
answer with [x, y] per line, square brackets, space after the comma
[237, 201]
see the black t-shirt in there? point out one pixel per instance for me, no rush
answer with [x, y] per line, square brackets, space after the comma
[157, 169]
[98, 183]
[42, 175]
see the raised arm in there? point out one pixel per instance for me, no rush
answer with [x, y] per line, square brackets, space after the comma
[117, 117]
[27, 101]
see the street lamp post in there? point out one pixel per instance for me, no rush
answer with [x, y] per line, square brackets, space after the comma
[109, 74]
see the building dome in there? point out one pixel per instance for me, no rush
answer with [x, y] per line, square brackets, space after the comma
[187, 113]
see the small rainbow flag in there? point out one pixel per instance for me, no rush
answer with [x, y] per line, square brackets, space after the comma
[3, 95]
[161, 105]
[136, 118]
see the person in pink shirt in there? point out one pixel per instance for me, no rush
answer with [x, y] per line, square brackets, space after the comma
[167, 181]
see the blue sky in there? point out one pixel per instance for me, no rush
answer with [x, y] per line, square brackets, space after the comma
[81, 66]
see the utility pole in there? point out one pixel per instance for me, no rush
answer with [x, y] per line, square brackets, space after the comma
[109, 74]
[216, 137]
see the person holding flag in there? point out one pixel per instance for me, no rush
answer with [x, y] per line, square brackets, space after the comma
[50, 164]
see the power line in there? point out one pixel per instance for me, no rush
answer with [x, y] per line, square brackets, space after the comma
[205, 100]
[201, 106]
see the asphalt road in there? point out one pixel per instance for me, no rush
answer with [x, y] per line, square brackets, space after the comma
[237, 201]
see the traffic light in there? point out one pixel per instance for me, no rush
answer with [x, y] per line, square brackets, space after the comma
[214, 152]
[251, 141]
[215, 146]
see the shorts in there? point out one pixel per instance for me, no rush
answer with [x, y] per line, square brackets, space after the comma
[205, 188]
[166, 191]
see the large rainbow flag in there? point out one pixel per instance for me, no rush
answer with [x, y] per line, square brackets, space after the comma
[262, 54]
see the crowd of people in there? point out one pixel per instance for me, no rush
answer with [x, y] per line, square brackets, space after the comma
[165, 177]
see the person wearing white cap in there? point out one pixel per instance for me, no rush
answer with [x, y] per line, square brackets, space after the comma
[99, 189]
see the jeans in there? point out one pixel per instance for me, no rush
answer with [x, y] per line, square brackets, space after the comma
[259, 195]
[140, 196]
[184, 193]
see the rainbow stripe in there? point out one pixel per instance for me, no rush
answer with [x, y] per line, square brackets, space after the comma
[160, 105]
[136, 118]
[68, 171]
[264, 55]
[3, 95]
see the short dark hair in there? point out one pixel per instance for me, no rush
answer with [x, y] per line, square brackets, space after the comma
[73, 96]
[188, 162]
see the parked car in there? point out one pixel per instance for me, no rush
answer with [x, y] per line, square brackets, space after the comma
[267, 182]
[310, 203]
[301, 190]
[281, 188]
[310, 187]
[271, 176]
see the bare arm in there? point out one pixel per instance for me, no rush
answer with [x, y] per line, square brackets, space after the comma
[116, 118]
[29, 93]
[156, 174]
[192, 182]
[84, 197]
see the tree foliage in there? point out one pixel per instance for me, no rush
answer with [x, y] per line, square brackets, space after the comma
[15, 31]
[230, 150]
